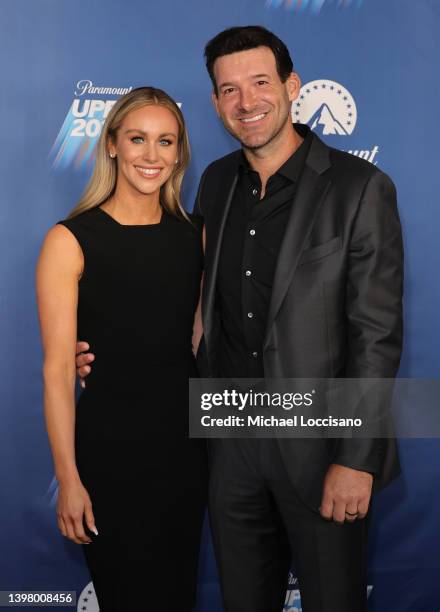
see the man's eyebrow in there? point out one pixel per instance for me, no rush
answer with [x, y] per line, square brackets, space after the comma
[259, 76]
[145, 133]
[253, 76]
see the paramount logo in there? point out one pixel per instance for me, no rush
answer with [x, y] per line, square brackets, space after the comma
[329, 109]
[326, 106]
[86, 87]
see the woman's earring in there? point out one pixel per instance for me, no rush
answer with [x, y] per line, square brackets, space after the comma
[113, 155]
[177, 161]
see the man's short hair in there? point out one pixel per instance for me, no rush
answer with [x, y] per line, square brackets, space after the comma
[244, 38]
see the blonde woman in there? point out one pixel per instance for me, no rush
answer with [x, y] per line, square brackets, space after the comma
[126, 266]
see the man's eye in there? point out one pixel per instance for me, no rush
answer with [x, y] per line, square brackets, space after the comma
[261, 82]
[228, 90]
[137, 139]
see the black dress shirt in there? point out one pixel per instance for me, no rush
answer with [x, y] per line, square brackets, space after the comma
[252, 237]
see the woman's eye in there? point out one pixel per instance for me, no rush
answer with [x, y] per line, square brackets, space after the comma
[165, 142]
[137, 139]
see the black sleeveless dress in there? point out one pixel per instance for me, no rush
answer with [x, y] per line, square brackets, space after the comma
[146, 479]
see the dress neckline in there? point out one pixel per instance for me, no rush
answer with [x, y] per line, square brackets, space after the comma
[142, 225]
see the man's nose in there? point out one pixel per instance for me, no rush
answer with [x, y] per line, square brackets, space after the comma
[247, 100]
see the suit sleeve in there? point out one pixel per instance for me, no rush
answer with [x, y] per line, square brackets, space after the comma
[373, 306]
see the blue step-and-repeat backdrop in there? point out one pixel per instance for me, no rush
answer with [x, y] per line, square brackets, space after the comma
[371, 86]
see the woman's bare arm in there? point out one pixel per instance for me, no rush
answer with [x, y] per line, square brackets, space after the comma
[58, 271]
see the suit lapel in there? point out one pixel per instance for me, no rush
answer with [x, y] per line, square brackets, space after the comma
[309, 197]
[213, 248]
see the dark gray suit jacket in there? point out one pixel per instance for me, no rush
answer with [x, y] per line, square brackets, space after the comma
[336, 304]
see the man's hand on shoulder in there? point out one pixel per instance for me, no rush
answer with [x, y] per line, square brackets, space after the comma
[82, 362]
[346, 494]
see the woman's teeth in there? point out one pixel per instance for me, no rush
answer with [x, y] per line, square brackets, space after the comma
[148, 171]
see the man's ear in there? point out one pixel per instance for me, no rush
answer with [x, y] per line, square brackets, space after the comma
[293, 84]
[214, 100]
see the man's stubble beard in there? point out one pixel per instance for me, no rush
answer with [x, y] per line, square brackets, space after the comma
[270, 138]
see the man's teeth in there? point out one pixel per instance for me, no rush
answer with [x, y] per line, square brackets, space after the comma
[149, 171]
[256, 118]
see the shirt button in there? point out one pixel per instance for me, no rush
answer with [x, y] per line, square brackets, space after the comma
[248, 273]
[250, 315]
[254, 191]
[252, 232]
[255, 354]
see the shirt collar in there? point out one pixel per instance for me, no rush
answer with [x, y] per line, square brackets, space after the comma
[292, 167]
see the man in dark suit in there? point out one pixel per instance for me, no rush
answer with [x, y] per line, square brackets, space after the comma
[303, 279]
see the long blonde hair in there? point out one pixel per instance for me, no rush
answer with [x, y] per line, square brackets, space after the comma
[102, 183]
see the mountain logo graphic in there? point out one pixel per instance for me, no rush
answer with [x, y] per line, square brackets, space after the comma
[327, 107]
[323, 119]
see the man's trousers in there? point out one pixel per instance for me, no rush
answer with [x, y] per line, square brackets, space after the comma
[261, 527]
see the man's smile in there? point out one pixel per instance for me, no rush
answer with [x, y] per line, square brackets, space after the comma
[253, 119]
